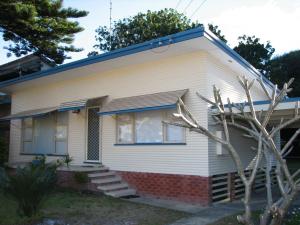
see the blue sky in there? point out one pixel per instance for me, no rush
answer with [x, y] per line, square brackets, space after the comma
[273, 20]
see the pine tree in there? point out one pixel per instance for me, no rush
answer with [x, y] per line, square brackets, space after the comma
[39, 26]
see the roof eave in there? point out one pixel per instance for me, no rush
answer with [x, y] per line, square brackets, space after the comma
[216, 41]
[148, 45]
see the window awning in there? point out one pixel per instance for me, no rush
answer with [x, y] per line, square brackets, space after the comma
[162, 100]
[79, 104]
[30, 113]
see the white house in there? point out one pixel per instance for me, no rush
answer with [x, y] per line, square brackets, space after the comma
[108, 110]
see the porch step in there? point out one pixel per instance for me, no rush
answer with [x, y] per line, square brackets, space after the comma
[110, 183]
[121, 193]
[106, 180]
[102, 174]
[113, 187]
[99, 169]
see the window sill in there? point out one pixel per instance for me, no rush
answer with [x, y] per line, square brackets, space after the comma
[137, 144]
[39, 154]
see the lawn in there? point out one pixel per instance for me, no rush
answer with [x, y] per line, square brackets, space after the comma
[75, 208]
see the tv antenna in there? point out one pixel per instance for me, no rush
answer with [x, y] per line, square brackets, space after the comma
[110, 23]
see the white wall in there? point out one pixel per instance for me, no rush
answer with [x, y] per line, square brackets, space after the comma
[181, 72]
[195, 71]
[226, 80]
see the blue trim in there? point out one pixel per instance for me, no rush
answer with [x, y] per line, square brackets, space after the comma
[295, 99]
[172, 106]
[137, 144]
[70, 108]
[23, 117]
[148, 45]
[41, 154]
[215, 40]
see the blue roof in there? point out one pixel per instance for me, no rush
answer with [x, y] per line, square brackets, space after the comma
[159, 42]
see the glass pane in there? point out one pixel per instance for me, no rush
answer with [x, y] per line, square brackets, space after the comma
[27, 122]
[174, 134]
[44, 135]
[28, 134]
[149, 127]
[125, 127]
[27, 147]
[61, 132]
[61, 147]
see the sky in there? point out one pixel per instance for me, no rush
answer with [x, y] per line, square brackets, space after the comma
[276, 21]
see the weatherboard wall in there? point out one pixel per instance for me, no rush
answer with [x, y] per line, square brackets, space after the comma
[174, 73]
[226, 80]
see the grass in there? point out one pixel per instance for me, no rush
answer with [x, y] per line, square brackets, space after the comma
[75, 208]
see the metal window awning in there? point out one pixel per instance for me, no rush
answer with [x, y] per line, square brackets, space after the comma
[162, 100]
[30, 113]
[80, 104]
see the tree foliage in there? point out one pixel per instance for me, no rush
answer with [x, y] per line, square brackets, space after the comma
[140, 28]
[215, 29]
[256, 53]
[283, 68]
[39, 26]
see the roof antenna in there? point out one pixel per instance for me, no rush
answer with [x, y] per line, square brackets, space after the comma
[110, 26]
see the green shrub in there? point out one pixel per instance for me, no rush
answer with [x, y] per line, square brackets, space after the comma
[29, 186]
[67, 160]
[3, 151]
[81, 177]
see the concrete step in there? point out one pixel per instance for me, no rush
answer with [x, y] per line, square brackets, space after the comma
[114, 179]
[100, 169]
[113, 187]
[102, 174]
[121, 193]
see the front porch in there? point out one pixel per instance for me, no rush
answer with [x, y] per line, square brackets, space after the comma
[95, 178]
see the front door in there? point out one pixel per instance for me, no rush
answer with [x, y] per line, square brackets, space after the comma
[93, 134]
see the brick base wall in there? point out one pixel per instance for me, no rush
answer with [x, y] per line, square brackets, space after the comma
[66, 179]
[187, 188]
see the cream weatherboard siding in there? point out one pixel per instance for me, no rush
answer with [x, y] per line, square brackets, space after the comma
[174, 73]
[226, 80]
[196, 71]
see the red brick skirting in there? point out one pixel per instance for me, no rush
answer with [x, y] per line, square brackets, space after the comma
[188, 188]
[66, 179]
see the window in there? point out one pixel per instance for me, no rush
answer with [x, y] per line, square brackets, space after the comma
[125, 128]
[61, 133]
[27, 135]
[173, 134]
[147, 127]
[46, 134]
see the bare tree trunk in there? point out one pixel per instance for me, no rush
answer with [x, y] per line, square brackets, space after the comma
[237, 115]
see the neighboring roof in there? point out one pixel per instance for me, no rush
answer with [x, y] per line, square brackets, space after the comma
[285, 108]
[162, 100]
[24, 66]
[148, 45]
[30, 113]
